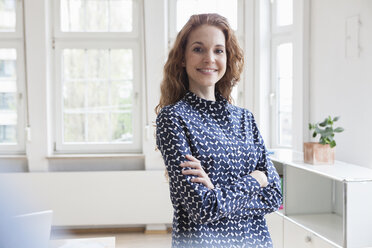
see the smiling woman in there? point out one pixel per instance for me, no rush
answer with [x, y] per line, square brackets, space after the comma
[221, 180]
[205, 59]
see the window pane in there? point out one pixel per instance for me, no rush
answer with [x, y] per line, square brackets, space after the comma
[121, 16]
[8, 134]
[121, 127]
[121, 120]
[284, 15]
[97, 64]
[8, 96]
[118, 59]
[284, 86]
[96, 15]
[186, 8]
[97, 97]
[72, 15]
[73, 60]
[7, 15]
[74, 95]
[7, 101]
[74, 127]
[98, 127]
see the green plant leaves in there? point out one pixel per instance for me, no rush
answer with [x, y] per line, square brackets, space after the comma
[339, 130]
[326, 131]
[324, 123]
[332, 144]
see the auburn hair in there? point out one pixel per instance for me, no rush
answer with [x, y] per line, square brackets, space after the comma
[175, 80]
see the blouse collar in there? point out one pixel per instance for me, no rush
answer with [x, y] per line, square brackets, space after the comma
[201, 103]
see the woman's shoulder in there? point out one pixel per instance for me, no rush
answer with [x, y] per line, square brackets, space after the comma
[240, 111]
[175, 110]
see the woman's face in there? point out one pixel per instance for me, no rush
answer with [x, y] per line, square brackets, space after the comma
[205, 57]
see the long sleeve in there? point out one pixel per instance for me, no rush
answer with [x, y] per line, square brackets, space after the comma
[268, 199]
[203, 205]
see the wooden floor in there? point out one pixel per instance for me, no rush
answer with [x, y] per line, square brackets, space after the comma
[123, 239]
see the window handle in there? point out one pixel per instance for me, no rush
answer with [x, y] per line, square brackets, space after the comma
[272, 97]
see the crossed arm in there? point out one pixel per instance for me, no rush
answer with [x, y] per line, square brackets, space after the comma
[255, 194]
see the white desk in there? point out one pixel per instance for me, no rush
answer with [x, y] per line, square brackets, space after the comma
[106, 242]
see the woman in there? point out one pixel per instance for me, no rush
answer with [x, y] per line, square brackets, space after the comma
[221, 181]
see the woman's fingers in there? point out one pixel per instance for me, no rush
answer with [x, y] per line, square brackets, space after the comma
[198, 180]
[195, 165]
[193, 172]
[192, 158]
[207, 183]
[196, 170]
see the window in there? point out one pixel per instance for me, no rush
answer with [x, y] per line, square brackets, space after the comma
[283, 81]
[283, 13]
[181, 10]
[282, 73]
[97, 55]
[11, 78]
[8, 15]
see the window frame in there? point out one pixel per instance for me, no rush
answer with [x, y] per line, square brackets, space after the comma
[276, 29]
[274, 96]
[18, 33]
[279, 35]
[98, 35]
[298, 34]
[15, 40]
[101, 40]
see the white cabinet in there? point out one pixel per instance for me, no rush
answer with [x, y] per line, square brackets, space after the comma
[275, 225]
[324, 205]
[296, 236]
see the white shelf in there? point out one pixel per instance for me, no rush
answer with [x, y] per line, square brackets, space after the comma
[339, 171]
[324, 203]
[329, 226]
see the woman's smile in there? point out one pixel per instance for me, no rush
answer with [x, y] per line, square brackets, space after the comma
[207, 71]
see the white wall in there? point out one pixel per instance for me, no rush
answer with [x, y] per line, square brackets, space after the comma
[340, 85]
[82, 199]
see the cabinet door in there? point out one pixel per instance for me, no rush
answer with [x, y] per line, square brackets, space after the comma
[295, 236]
[275, 225]
[321, 243]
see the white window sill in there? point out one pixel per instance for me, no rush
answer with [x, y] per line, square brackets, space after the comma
[95, 155]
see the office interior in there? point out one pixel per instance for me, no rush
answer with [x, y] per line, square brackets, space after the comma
[88, 152]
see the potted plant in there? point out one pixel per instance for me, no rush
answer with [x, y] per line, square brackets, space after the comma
[322, 152]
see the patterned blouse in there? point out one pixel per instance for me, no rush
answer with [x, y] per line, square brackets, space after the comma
[226, 140]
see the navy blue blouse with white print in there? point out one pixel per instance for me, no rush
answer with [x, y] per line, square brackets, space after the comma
[226, 140]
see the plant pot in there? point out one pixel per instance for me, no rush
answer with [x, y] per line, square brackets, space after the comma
[315, 153]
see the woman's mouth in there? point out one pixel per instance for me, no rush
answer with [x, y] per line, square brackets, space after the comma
[207, 70]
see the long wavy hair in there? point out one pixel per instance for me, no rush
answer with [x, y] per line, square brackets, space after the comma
[175, 80]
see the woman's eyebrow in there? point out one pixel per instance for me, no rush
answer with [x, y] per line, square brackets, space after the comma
[201, 43]
[198, 43]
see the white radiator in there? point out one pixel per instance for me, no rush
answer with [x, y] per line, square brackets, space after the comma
[83, 199]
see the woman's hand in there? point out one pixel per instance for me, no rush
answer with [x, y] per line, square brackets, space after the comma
[260, 177]
[196, 170]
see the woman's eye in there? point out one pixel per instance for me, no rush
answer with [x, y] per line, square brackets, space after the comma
[219, 51]
[197, 49]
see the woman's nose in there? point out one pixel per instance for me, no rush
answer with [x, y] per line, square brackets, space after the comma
[209, 57]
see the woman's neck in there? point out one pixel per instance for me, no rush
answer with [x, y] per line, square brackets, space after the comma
[207, 93]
